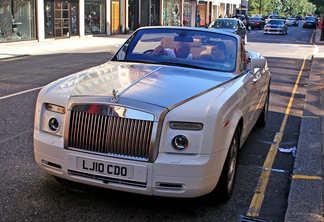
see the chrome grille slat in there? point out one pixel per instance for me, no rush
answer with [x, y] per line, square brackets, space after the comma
[110, 135]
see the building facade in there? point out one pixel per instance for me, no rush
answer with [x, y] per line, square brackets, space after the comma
[22, 20]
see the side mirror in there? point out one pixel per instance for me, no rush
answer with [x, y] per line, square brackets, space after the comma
[114, 49]
[257, 63]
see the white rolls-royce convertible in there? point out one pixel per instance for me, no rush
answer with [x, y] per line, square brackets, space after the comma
[166, 116]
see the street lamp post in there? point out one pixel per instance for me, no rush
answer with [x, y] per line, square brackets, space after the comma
[241, 6]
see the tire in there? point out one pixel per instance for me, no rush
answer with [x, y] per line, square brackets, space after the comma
[262, 120]
[225, 186]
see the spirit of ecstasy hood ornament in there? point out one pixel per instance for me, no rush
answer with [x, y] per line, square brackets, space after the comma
[115, 96]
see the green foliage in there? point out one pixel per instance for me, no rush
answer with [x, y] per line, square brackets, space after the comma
[285, 8]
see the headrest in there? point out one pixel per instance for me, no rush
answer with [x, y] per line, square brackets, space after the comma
[168, 42]
[195, 43]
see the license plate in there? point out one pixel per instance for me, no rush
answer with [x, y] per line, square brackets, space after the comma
[252, 23]
[104, 168]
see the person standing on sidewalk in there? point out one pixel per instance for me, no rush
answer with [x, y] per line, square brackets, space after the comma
[198, 21]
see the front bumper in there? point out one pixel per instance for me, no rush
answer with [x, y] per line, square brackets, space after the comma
[169, 175]
[273, 31]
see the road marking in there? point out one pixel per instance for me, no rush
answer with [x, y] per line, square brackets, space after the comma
[311, 41]
[258, 196]
[315, 117]
[307, 177]
[20, 93]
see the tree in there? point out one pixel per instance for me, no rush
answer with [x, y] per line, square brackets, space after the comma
[284, 7]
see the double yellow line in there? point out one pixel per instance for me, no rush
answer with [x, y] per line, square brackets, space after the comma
[257, 200]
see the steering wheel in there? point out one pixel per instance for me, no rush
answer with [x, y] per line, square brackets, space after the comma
[149, 51]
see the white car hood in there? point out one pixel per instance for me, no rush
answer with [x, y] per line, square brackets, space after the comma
[158, 85]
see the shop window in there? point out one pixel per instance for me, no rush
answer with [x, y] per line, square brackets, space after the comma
[17, 20]
[171, 13]
[187, 14]
[95, 17]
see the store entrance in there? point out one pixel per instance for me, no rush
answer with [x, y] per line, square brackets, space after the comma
[62, 19]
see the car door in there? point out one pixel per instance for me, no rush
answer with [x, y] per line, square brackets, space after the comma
[255, 95]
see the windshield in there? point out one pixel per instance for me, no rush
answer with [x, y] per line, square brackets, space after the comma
[276, 22]
[180, 47]
[224, 24]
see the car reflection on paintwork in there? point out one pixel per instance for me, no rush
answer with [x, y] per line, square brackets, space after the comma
[276, 26]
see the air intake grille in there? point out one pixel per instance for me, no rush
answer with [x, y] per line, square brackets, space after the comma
[110, 135]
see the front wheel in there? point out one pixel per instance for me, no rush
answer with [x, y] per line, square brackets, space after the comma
[226, 181]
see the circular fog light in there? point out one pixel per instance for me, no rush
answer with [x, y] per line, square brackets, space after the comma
[53, 124]
[180, 142]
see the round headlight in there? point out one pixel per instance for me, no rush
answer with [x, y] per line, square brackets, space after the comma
[180, 142]
[53, 124]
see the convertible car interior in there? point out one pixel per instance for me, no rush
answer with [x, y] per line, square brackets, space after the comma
[200, 48]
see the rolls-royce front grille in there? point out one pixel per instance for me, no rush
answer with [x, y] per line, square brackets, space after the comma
[110, 135]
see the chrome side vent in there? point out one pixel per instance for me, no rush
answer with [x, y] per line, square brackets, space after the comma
[110, 135]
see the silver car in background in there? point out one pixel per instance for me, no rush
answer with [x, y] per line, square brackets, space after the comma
[292, 21]
[276, 26]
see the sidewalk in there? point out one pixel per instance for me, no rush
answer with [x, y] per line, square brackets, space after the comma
[19, 49]
[305, 202]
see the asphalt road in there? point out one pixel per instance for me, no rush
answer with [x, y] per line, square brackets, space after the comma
[29, 194]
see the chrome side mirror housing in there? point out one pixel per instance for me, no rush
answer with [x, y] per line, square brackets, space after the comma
[257, 63]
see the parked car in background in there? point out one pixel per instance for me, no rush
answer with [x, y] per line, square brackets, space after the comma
[256, 22]
[231, 25]
[292, 21]
[299, 17]
[309, 22]
[276, 26]
[154, 121]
